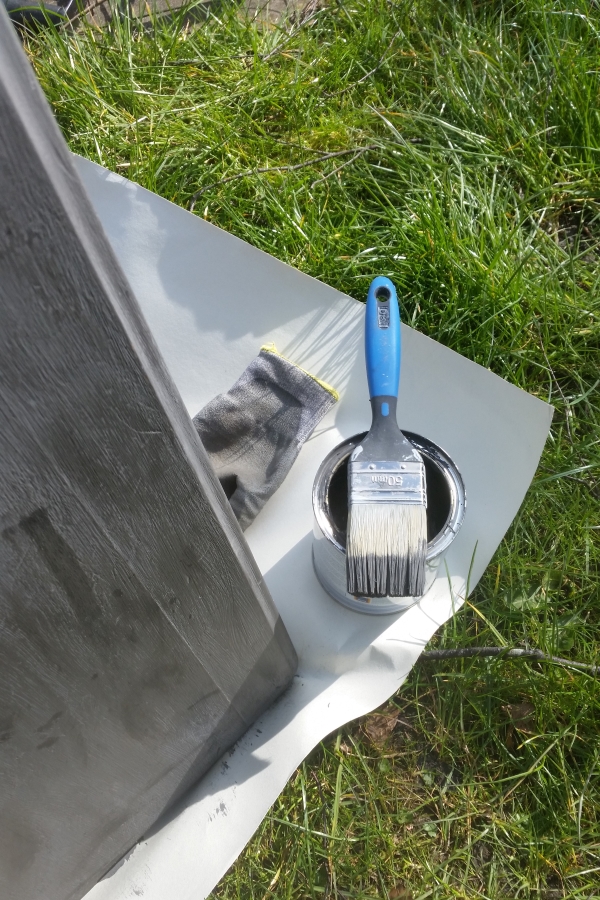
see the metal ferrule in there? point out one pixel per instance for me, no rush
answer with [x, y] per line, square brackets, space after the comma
[387, 482]
[445, 513]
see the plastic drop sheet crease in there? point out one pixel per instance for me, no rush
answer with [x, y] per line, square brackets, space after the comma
[211, 301]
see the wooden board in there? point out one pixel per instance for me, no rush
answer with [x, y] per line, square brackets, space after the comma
[137, 638]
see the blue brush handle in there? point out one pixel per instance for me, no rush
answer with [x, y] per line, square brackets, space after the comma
[382, 341]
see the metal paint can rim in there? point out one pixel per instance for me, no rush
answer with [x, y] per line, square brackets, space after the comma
[329, 560]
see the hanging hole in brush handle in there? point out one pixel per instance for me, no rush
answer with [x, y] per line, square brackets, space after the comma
[382, 339]
[382, 296]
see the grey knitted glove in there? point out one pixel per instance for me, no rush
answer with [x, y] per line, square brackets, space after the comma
[254, 432]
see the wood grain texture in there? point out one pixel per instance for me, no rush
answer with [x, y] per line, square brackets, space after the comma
[137, 638]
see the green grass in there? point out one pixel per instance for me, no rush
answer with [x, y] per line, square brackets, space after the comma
[480, 197]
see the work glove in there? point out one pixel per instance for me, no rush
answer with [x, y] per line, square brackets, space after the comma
[254, 432]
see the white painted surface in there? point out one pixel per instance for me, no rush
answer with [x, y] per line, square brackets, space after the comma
[211, 301]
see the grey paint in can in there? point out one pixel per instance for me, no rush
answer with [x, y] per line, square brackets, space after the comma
[446, 505]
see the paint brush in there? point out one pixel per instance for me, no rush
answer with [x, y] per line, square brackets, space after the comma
[387, 520]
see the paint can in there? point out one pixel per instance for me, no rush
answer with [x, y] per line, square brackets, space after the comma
[446, 505]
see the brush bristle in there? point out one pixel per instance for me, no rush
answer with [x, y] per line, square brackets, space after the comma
[386, 549]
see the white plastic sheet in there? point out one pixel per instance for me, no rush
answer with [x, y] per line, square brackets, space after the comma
[211, 301]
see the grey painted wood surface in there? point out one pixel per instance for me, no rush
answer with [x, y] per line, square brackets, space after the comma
[137, 639]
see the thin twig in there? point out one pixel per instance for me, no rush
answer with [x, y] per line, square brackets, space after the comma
[372, 71]
[294, 168]
[510, 653]
[339, 168]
